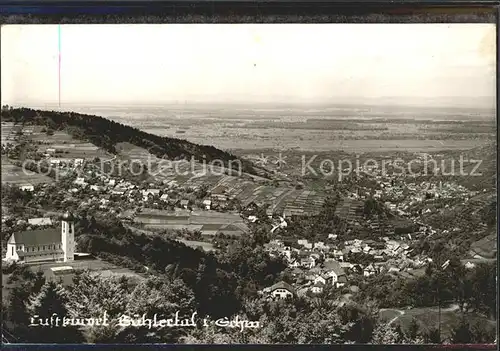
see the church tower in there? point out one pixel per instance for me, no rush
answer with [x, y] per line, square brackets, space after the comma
[68, 236]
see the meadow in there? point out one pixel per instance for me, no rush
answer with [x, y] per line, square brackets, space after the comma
[65, 145]
[208, 222]
[485, 247]
[428, 318]
[13, 174]
[195, 244]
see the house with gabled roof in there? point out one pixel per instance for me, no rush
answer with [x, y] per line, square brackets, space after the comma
[334, 270]
[369, 270]
[307, 262]
[317, 288]
[27, 187]
[207, 203]
[281, 290]
[323, 278]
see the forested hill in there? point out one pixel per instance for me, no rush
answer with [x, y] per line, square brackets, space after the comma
[106, 134]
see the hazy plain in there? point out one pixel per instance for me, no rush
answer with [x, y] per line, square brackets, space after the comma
[312, 128]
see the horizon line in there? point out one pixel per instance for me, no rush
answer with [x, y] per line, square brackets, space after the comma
[462, 102]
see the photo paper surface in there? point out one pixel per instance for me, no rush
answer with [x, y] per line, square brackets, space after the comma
[249, 183]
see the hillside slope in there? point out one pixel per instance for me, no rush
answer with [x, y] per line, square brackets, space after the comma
[480, 167]
[107, 134]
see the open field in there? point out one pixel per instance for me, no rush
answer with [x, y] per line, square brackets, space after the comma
[195, 244]
[129, 151]
[94, 265]
[321, 140]
[208, 222]
[388, 314]
[485, 247]
[15, 175]
[427, 317]
[64, 144]
[181, 172]
[318, 128]
[91, 264]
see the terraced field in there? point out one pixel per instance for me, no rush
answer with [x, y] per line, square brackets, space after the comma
[279, 198]
[64, 145]
[9, 132]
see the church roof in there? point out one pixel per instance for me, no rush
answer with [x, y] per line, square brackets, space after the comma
[38, 237]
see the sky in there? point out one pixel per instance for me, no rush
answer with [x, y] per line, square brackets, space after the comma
[163, 63]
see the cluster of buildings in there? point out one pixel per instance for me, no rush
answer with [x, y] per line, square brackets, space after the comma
[401, 198]
[331, 263]
[150, 195]
[329, 274]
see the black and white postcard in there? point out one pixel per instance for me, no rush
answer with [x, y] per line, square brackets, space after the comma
[249, 183]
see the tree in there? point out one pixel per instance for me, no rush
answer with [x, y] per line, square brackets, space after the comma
[462, 333]
[16, 314]
[208, 335]
[413, 329]
[51, 300]
[92, 295]
[385, 333]
[260, 235]
[432, 336]
[202, 191]
[157, 295]
[322, 327]
[483, 281]
[483, 332]
[363, 316]
[164, 298]
[103, 334]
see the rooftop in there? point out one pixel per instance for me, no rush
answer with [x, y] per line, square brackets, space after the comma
[40, 221]
[37, 237]
[59, 271]
[334, 266]
[282, 285]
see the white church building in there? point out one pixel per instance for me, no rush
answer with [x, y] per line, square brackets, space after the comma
[47, 245]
